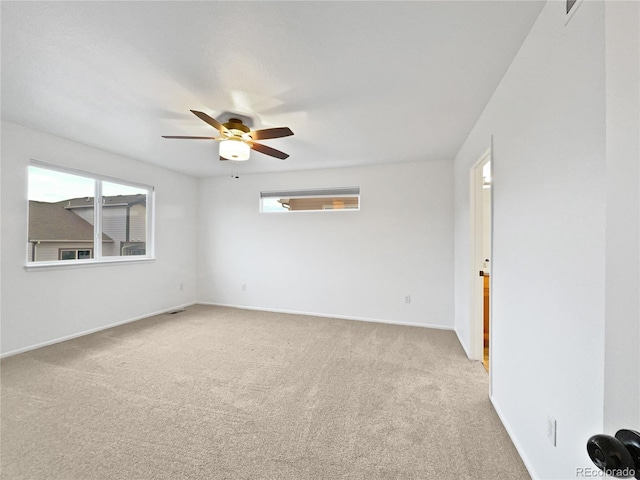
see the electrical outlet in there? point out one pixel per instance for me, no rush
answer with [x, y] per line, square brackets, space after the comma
[244, 287]
[407, 299]
[182, 286]
[552, 425]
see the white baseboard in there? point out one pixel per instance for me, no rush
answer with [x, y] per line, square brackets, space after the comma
[93, 330]
[514, 439]
[328, 315]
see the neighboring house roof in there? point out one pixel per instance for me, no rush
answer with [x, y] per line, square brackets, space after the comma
[49, 222]
[112, 201]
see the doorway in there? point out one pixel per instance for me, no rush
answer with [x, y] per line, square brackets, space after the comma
[481, 245]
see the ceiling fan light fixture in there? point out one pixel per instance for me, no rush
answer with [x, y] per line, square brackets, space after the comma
[234, 149]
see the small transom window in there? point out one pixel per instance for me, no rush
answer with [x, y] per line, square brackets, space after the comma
[328, 199]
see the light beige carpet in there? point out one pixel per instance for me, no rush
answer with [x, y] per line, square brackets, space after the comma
[220, 393]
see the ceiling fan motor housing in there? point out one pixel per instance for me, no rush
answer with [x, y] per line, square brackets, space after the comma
[235, 125]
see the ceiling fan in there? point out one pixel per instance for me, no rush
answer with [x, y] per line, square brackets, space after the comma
[237, 139]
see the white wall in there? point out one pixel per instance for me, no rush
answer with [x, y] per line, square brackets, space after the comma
[350, 264]
[622, 347]
[547, 118]
[44, 305]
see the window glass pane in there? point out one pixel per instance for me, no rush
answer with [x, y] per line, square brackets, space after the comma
[124, 219]
[347, 198]
[61, 215]
[272, 205]
[67, 254]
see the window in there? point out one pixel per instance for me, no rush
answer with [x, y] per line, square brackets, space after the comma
[66, 254]
[81, 217]
[328, 199]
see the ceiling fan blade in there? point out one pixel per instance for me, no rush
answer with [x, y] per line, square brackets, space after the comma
[270, 133]
[258, 147]
[210, 120]
[190, 138]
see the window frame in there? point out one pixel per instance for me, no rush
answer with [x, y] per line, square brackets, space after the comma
[97, 257]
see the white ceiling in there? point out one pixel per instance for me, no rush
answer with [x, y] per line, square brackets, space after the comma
[358, 82]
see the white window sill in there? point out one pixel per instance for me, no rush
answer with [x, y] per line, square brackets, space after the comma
[63, 264]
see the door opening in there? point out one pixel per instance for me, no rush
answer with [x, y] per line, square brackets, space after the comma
[481, 227]
[486, 263]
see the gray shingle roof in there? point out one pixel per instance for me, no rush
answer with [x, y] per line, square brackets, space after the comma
[51, 222]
